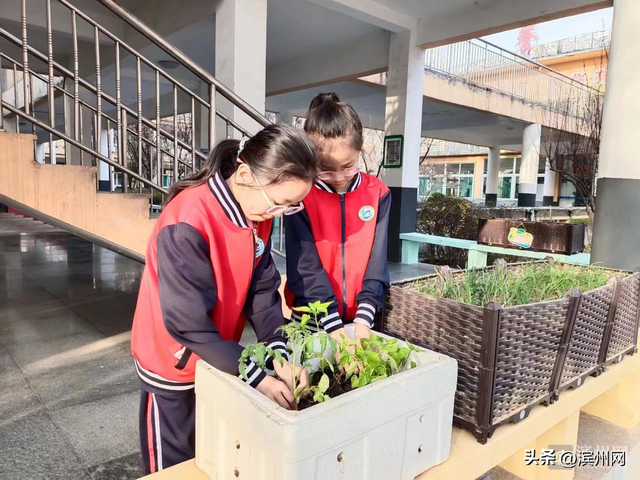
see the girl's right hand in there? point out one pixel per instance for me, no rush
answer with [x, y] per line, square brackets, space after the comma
[277, 391]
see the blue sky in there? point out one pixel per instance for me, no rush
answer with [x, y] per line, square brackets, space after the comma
[558, 29]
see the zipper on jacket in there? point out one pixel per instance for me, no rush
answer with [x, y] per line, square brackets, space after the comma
[343, 217]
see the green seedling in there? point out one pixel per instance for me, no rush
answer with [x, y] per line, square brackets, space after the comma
[259, 352]
[377, 357]
[302, 341]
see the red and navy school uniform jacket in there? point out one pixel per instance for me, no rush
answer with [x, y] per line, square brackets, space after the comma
[206, 273]
[337, 251]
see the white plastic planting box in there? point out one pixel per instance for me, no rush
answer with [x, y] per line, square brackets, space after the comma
[393, 429]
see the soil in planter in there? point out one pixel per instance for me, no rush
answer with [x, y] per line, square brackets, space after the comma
[337, 387]
[524, 284]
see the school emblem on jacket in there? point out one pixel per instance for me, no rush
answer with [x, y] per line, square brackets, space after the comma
[367, 213]
[259, 247]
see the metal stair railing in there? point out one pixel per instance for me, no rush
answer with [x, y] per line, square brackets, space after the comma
[156, 138]
[485, 64]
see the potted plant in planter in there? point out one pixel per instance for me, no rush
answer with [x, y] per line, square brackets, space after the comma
[386, 421]
[547, 236]
[521, 334]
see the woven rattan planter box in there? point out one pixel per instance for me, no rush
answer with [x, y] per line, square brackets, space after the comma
[552, 237]
[511, 359]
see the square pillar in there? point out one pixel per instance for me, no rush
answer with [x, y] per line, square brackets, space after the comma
[72, 154]
[403, 116]
[531, 139]
[103, 167]
[493, 169]
[550, 184]
[241, 59]
[617, 218]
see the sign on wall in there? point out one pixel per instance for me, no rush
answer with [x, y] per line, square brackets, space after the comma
[392, 155]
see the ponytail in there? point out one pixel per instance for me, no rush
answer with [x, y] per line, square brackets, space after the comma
[222, 159]
[276, 154]
[331, 119]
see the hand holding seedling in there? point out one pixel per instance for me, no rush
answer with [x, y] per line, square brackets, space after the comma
[342, 339]
[286, 373]
[362, 361]
[277, 391]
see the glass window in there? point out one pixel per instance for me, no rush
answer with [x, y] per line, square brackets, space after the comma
[506, 166]
[518, 164]
[466, 187]
[423, 186]
[467, 168]
[504, 187]
[486, 166]
[437, 186]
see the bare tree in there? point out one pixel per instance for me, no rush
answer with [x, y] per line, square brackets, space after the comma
[572, 143]
[372, 151]
[149, 167]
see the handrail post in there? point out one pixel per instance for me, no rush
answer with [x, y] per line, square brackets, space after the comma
[212, 117]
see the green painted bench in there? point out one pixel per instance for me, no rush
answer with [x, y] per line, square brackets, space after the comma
[477, 253]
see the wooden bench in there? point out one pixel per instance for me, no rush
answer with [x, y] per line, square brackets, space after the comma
[477, 252]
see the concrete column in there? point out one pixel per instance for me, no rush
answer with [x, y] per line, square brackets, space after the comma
[478, 179]
[10, 123]
[72, 154]
[529, 166]
[617, 222]
[284, 117]
[40, 152]
[241, 53]
[103, 167]
[550, 181]
[404, 117]
[86, 127]
[493, 169]
[202, 122]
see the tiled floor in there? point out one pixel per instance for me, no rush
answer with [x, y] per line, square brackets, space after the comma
[69, 396]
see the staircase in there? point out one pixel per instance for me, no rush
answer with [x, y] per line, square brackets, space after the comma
[118, 158]
[11, 223]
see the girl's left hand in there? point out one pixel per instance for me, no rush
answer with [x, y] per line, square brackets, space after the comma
[285, 373]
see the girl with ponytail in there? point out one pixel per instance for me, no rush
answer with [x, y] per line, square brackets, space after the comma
[209, 269]
[337, 245]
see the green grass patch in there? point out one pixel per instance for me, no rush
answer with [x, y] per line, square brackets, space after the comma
[521, 285]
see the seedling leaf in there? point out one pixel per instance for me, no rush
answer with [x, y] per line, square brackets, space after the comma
[277, 355]
[351, 369]
[323, 384]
